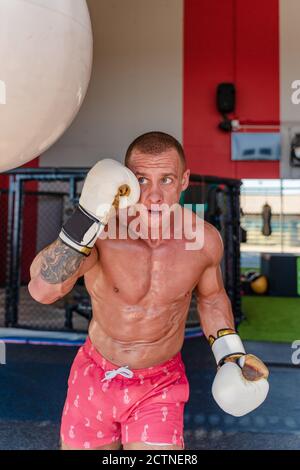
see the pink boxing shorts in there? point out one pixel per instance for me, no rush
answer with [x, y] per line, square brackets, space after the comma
[107, 403]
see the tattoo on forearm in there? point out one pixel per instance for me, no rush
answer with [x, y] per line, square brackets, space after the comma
[59, 263]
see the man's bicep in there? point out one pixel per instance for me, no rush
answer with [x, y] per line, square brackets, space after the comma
[211, 282]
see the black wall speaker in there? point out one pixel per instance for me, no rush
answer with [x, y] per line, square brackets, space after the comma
[226, 98]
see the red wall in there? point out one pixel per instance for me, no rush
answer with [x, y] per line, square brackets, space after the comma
[235, 41]
[29, 227]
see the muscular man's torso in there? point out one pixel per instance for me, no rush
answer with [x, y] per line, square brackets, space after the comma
[140, 299]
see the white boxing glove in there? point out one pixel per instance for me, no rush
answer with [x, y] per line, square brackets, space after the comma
[108, 185]
[241, 384]
[105, 182]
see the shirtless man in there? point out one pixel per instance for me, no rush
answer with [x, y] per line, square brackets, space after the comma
[127, 385]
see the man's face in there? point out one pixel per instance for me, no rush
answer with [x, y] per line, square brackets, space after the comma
[162, 178]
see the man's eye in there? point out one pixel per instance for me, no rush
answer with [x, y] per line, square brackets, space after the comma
[142, 180]
[167, 180]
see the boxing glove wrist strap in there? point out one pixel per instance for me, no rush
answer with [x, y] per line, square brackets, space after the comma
[81, 231]
[228, 343]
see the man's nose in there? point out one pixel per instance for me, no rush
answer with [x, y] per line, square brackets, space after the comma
[155, 196]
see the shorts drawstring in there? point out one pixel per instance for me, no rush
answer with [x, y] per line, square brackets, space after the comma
[124, 371]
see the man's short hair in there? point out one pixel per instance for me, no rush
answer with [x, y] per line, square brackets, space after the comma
[155, 143]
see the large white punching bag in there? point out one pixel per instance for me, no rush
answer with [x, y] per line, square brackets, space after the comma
[46, 49]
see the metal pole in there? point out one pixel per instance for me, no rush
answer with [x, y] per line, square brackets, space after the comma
[16, 258]
[281, 216]
[9, 251]
[235, 193]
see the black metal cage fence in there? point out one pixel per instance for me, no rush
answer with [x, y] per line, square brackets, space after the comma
[35, 205]
[221, 200]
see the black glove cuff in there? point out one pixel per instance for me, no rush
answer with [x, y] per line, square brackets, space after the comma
[80, 231]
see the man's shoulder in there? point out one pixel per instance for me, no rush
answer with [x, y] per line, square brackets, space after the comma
[211, 231]
[213, 243]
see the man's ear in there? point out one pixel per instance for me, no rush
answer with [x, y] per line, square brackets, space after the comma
[185, 179]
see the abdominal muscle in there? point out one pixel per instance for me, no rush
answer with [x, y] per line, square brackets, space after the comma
[138, 337]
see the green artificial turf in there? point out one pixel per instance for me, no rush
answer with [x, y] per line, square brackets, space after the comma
[270, 318]
[246, 270]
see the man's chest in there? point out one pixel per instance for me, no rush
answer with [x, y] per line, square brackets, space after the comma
[138, 271]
